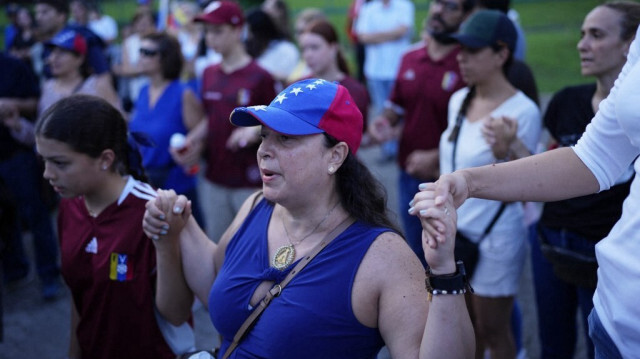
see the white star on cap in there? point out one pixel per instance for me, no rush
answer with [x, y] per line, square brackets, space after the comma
[319, 82]
[281, 97]
[311, 87]
[296, 91]
[259, 108]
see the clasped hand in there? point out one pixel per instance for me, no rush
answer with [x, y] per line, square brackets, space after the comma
[438, 217]
[435, 205]
[166, 215]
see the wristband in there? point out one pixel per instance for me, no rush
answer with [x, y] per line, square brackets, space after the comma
[454, 284]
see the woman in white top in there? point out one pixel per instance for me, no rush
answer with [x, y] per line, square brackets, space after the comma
[488, 39]
[609, 145]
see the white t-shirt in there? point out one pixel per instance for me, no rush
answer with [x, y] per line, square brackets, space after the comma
[279, 59]
[132, 43]
[382, 60]
[105, 27]
[610, 143]
[475, 214]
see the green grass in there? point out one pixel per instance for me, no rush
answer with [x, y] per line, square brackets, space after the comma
[552, 28]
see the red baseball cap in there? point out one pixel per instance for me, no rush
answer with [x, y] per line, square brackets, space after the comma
[222, 12]
[69, 40]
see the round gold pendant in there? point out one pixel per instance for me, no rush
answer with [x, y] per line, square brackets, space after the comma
[283, 257]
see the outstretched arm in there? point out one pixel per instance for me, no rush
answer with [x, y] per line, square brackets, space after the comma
[550, 176]
[413, 323]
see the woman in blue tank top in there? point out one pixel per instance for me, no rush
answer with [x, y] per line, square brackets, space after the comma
[166, 106]
[365, 289]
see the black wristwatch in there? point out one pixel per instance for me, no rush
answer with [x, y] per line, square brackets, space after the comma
[455, 283]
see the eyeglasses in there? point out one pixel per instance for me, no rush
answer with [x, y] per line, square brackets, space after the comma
[148, 52]
[447, 5]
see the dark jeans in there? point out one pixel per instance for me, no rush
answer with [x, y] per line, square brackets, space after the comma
[557, 300]
[605, 348]
[407, 188]
[21, 175]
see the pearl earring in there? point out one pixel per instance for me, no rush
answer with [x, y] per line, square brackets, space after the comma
[331, 169]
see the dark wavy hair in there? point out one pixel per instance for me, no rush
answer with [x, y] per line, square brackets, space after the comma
[171, 60]
[361, 194]
[263, 30]
[90, 125]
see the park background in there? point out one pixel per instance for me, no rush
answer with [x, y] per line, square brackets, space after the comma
[33, 329]
[552, 29]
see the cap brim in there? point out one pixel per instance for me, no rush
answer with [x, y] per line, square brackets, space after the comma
[205, 19]
[51, 45]
[469, 41]
[276, 119]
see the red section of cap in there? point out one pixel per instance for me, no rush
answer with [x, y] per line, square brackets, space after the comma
[222, 12]
[79, 44]
[343, 120]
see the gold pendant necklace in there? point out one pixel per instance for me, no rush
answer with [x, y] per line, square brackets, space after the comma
[285, 255]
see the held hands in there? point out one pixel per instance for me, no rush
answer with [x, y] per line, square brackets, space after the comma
[435, 206]
[166, 215]
[500, 133]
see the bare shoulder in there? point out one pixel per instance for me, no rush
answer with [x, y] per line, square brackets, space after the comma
[242, 214]
[390, 252]
[389, 270]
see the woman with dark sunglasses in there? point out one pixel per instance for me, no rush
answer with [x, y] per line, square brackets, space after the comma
[165, 106]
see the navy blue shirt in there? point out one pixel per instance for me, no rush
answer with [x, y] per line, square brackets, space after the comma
[16, 81]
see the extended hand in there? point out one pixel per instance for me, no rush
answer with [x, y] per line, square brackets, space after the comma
[166, 215]
[438, 221]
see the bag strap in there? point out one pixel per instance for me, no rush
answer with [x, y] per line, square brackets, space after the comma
[456, 135]
[277, 289]
[503, 205]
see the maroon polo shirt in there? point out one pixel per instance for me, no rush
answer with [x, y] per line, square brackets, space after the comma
[360, 95]
[221, 93]
[422, 88]
[109, 265]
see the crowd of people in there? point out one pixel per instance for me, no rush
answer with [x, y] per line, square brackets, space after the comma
[212, 156]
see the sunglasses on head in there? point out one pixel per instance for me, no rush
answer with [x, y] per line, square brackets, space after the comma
[148, 52]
